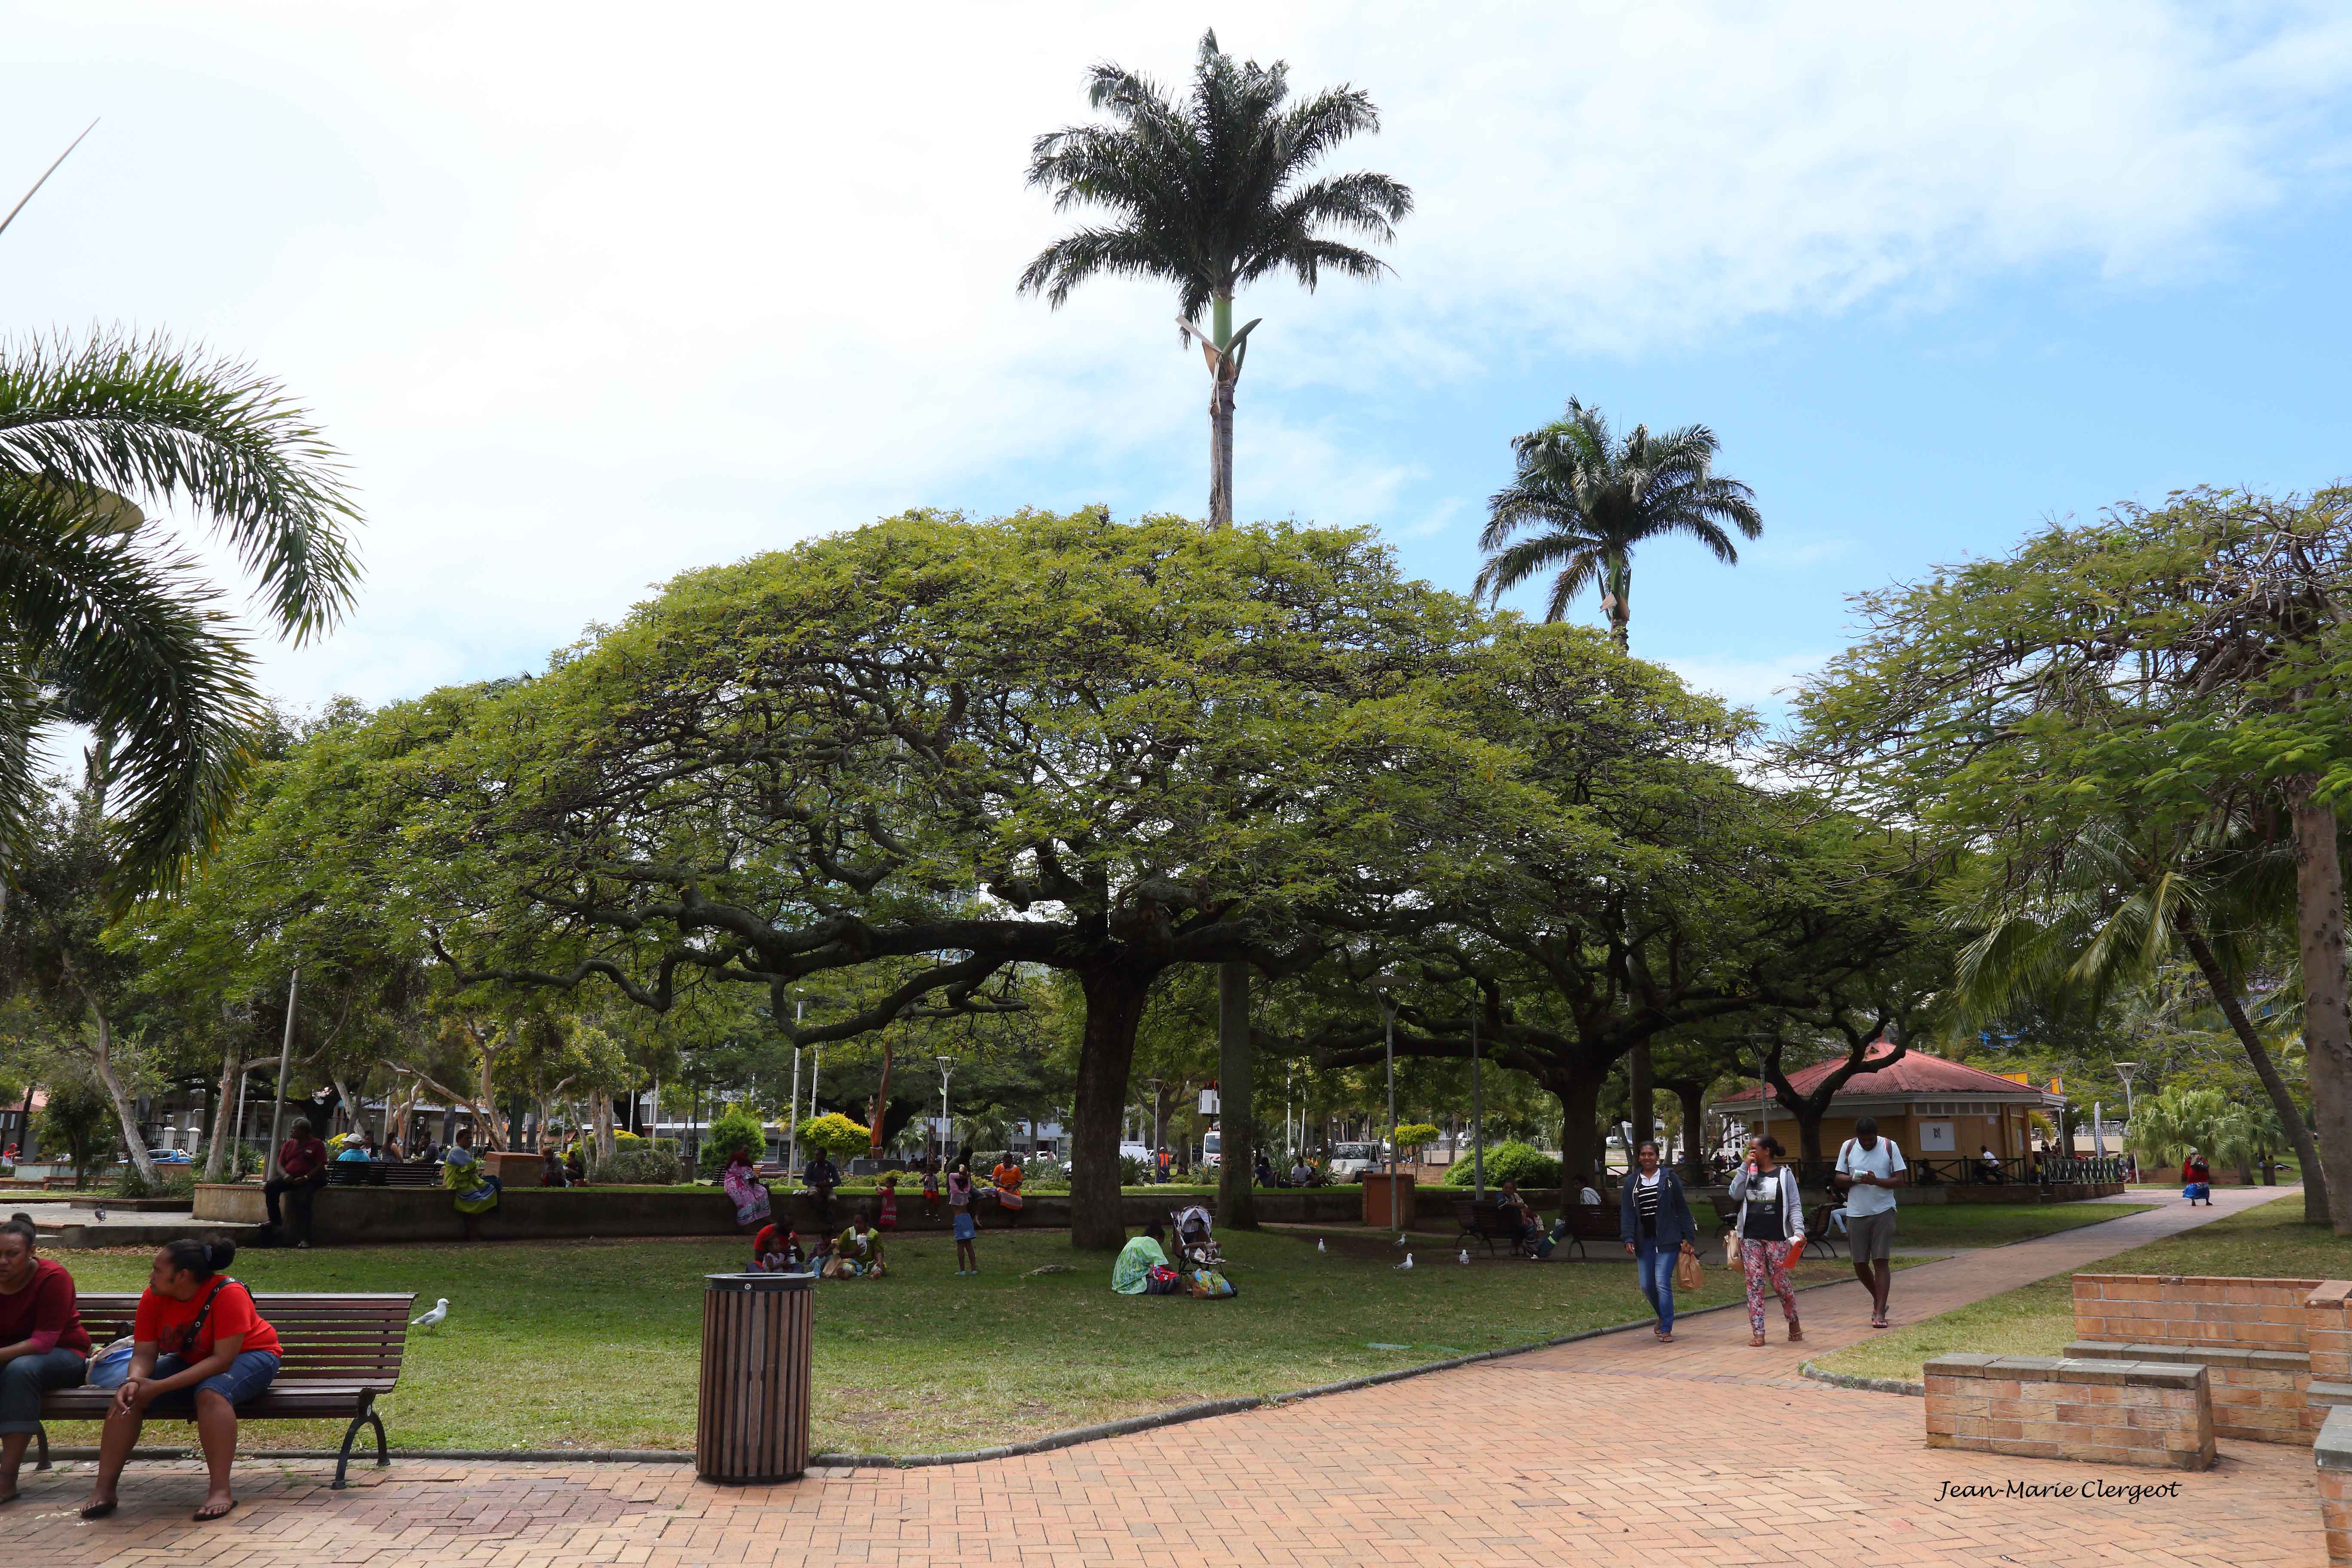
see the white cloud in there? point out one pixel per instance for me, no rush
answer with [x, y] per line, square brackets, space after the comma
[595, 295]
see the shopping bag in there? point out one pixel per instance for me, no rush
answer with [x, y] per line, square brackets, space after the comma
[1686, 1272]
[1731, 1249]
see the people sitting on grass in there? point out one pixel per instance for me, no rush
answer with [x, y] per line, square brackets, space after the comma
[1142, 1268]
[575, 1166]
[475, 1191]
[777, 1250]
[1302, 1175]
[856, 1252]
[42, 1342]
[201, 1348]
[745, 1190]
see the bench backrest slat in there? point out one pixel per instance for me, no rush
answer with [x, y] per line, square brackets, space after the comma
[353, 1337]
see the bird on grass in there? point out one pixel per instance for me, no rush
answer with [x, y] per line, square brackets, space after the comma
[1319, 1247]
[1408, 1261]
[1400, 1241]
[1466, 1258]
[432, 1320]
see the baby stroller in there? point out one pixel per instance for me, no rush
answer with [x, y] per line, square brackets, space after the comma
[1195, 1235]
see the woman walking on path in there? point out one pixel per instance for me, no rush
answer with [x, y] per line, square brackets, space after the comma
[1771, 1231]
[199, 1346]
[42, 1342]
[1654, 1220]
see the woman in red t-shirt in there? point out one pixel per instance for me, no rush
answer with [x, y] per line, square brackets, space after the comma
[42, 1342]
[198, 1345]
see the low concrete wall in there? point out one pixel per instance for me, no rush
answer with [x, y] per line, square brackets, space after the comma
[363, 1216]
[2103, 1412]
[2259, 1396]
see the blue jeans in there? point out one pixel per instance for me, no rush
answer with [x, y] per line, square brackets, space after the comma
[1654, 1262]
[247, 1377]
[26, 1378]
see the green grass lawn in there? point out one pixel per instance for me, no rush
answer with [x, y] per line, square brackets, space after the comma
[2038, 1318]
[1993, 1225]
[595, 1345]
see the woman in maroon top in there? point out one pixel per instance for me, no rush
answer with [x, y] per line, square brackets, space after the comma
[42, 1342]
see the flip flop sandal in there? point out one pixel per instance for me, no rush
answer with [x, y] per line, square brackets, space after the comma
[202, 1516]
[98, 1509]
[1755, 1340]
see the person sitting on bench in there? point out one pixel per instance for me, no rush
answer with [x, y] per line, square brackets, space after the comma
[1515, 1214]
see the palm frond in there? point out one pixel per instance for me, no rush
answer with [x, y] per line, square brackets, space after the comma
[131, 636]
[140, 417]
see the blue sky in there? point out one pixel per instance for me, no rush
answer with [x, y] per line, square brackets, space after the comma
[588, 304]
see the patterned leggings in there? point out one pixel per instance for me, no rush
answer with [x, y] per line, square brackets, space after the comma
[1766, 1264]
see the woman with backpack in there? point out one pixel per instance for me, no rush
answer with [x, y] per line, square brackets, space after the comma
[1771, 1232]
[198, 1346]
[1654, 1220]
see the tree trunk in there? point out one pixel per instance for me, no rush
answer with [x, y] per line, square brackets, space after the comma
[2315, 1207]
[1694, 1098]
[1580, 1149]
[2327, 1018]
[223, 1112]
[1237, 1127]
[1809, 1131]
[1618, 583]
[882, 1104]
[125, 1112]
[601, 1109]
[1640, 1092]
[1114, 996]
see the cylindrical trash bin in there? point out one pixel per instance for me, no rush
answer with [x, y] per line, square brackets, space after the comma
[751, 1422]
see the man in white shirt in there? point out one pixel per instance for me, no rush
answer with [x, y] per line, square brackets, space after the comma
[1874, 1166]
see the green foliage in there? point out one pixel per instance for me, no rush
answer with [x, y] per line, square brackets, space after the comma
[79, 1118]
[736, 1130]
[172, 1182]
[1593, 498]
[639, 1164]
[837, 1135]
[1520, 1163]
[1414, 1134]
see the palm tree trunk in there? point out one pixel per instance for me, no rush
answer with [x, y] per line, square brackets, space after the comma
[2327, 1017]
[1620, 580]
[2316, 1210]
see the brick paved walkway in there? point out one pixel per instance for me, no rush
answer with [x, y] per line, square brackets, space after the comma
[1605, 1451]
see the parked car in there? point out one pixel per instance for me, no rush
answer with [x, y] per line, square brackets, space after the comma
[1135, 1152]
[1350, 1161]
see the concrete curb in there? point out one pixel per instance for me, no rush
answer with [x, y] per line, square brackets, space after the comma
[1871, 1385]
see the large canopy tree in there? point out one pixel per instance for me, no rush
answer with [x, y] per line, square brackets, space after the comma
[1056, 741]
[2101, 712]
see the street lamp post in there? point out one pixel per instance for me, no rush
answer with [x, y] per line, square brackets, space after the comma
[793, 1117]
[1151, 1155]
[1478, 1111]
[947, 1066]
[1383, 986]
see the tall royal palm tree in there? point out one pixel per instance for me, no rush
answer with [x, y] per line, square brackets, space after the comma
[1588, 500]
[105, 617]
[1210, 194]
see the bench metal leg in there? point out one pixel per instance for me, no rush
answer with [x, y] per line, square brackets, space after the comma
[41, 1435]
[382, 1449]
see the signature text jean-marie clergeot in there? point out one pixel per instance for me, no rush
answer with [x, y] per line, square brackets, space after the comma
[2079, 1492]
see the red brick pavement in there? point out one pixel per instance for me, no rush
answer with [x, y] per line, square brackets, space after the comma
[1609, 1451]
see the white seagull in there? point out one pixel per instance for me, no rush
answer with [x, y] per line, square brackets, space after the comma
[1319, 1247]
[1408, 1261]
[1466, 1258]
[432, 1320]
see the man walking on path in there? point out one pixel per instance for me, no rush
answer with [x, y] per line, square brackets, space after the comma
[1874, 1165]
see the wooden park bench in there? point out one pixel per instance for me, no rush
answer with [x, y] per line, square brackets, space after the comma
[338, 1353]
[383, 1174]
[1581, 1222]
[1488, 1222]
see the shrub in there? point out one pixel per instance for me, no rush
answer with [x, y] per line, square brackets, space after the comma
[638, 1164]
[732, 1129]
[836, 1134]
[80, 1118]
[1045, 1175]
[171, 1182]
[1414, 1134]
[1132, 1172]
[1520, 1163]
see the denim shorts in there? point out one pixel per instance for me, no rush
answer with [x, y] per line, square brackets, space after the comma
[965, 1229]
[247, 1377]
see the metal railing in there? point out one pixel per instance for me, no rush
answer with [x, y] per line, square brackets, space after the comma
[2044, 1171]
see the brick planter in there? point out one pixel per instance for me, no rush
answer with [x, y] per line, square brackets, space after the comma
[2100, 1411]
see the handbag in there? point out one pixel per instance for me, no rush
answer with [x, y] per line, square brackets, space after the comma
[1731, 1247]
[1688, 1274]
[111, 1368]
